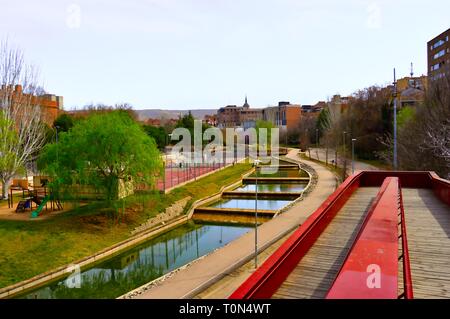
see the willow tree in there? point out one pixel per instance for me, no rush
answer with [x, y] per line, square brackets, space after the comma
[103, 151]
[22, 134]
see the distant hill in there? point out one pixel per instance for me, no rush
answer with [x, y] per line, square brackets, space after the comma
[172, 114]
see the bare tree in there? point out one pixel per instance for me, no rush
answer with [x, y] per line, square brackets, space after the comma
[435, 121]
[22, 132]
[424, 140]
[306, 129]
[439, 142]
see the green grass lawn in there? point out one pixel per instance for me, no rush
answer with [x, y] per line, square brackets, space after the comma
[28, 248]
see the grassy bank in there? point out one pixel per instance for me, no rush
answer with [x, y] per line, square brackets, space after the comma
[28, 248]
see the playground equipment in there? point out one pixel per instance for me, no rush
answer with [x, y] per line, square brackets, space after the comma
[38, 210]
[39, 196]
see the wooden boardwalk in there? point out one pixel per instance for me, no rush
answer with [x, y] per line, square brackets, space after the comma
[428, 230]
[315, 273]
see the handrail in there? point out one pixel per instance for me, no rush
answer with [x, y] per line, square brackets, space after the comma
[407, 279]
[269, 276]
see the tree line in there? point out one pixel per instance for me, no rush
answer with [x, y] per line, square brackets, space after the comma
[423, 129]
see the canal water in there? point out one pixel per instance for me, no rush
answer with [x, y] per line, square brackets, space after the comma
[282, 173]
[263, 203]
[146, 262]
[243, 203]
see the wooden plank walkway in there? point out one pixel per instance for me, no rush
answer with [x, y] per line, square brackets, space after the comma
[428, 230]
[315, 273]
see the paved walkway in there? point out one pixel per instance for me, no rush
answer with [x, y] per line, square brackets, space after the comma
[320, 154]
[193, 279]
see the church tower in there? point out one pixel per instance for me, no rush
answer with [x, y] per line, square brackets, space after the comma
[246, 104]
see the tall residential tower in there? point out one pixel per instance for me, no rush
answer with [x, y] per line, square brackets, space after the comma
[439, 56]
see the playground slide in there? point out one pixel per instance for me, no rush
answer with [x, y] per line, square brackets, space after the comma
[38, 210]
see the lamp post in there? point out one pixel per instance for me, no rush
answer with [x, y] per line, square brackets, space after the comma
[344, 164]
[171, 172]
[256, 213]
[166, 142]
[317, 138]
[286, 136]
[343, 141]
[307, 142]
[395, 123]
[353, 155]
[56, 128]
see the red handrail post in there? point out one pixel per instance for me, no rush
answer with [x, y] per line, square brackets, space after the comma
[407, 279]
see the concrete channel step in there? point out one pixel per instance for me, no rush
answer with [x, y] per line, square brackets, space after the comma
[281, 167]
[233, 211]
[278, 195]
[252, 180]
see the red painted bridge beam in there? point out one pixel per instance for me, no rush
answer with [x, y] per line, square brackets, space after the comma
[370, 270]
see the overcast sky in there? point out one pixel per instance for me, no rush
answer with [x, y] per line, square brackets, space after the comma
[185, 54]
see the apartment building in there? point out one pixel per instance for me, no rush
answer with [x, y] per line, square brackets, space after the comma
[284, 116]
[439, 56]
[50, 104]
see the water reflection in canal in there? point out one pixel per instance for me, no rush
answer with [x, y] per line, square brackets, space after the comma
[144, 263]
[244, 203]
[282, 173]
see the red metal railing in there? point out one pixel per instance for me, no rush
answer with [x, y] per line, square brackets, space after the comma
[407, 279]
[269, 276]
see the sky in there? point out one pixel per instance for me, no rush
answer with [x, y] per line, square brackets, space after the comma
[191, 54]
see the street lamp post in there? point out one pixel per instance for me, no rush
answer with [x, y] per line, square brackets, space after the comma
[395, 123]
[353, 155]
[256, 213]
[57, 147]
[171, 172]
[286, 136]
[343, 140]
[317, 138]
[56, 128]
[307, 142]
[344, 164]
